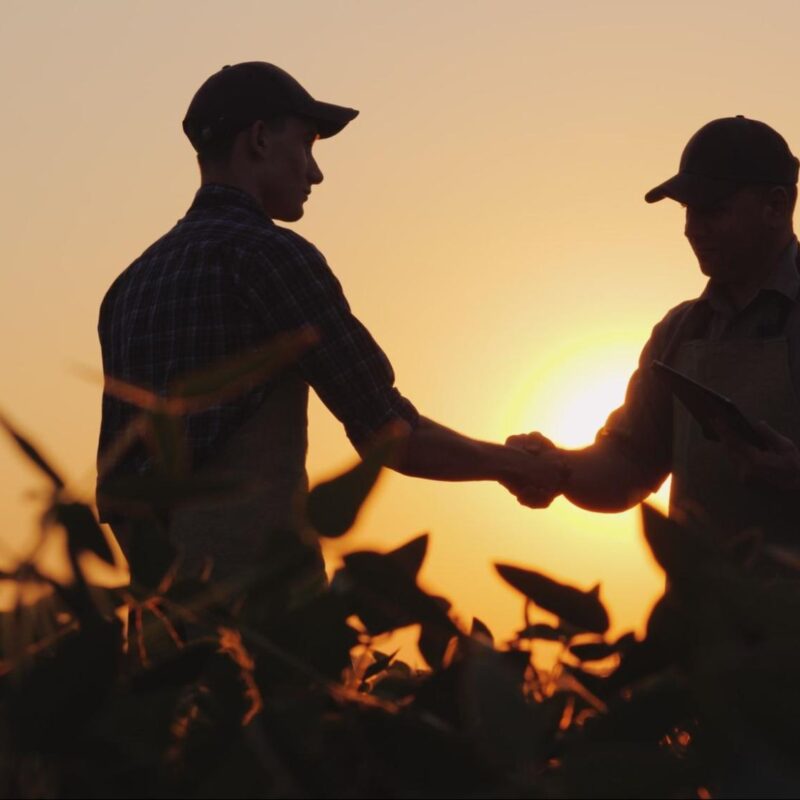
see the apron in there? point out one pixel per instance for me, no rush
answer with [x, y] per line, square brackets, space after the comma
[269, 451]
[756, 375]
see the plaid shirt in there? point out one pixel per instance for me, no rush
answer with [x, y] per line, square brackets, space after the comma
[224, 280]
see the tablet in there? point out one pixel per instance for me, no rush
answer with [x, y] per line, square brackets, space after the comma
[708, 406]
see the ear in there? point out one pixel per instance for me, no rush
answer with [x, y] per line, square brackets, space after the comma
[258, 140]
[778, 207]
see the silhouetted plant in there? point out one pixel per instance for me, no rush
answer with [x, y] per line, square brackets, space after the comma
[271, 687]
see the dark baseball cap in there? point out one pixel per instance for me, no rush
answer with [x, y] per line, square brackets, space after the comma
[238, 95]
[726, 155]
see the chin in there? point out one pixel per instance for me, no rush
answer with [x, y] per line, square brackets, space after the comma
[712, 270]
[290, 215]
[706, 269]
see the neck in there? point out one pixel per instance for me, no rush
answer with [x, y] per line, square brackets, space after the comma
[228, 176]
[742, 291]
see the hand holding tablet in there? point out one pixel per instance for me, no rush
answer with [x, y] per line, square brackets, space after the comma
[710, 408]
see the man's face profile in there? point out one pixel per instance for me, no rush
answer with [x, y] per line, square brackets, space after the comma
[287, 169]
[729, 237]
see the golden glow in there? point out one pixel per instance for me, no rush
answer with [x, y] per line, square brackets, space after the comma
[484, 214]
[577, 387]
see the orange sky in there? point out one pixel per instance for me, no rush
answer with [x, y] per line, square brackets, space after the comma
[484, 214]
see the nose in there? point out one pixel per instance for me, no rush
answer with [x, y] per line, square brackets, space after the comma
[314, 172]
[695, 225]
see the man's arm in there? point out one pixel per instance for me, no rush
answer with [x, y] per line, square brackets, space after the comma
[599, 478]
[355, 380]
[433, 451]
[632, 454]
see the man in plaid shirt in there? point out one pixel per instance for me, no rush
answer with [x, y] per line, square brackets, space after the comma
[226, 279]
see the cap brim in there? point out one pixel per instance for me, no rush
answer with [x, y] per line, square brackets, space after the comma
[330, 118]
[692, 190]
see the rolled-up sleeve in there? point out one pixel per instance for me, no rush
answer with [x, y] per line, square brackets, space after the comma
[642, 427]
[348, 370]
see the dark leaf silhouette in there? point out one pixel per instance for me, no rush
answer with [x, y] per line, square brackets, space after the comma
[396, 682]
[251, 687]
[315, 634]
[33, 454]
[499, 719]
[149, 552]
[381, 664]
[166, 438]
[581, 609]
[593, 651]
[217, 382]
[334, 505]
[83, 532]
[680, 552]
[435, 642]
[55, 697]
[546, 632]
[626, 642]
[388, 596]
[480, 628]
[411, 555]
[232, 376]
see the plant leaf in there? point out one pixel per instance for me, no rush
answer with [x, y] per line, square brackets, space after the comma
[83, 532]
[593, 651]
[166, 437]
[381, 663]
[33, 454]
[680, 552]
[387, 597]
[231, 377]
[497, 716]
[479, 628]
[545, 632]
[149, 552]
[582, 609]
[411, 555]
[334, 505]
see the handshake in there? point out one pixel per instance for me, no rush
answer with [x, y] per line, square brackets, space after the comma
[536, 471]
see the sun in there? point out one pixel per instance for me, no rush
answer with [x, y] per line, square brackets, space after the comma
[569, 396]
[580, 408]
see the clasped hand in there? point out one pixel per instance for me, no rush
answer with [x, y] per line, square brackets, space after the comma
[543, 474]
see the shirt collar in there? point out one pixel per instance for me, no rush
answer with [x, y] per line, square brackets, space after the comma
[219, 195]
[784, 280]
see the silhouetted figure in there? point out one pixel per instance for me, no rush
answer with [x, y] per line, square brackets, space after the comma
[741, 338]
[225, 279]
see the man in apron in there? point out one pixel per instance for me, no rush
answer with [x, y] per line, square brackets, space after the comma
[227, 279]
[738, 183]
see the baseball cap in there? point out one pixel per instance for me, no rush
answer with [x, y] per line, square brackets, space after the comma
[725, 155]
[238, 95]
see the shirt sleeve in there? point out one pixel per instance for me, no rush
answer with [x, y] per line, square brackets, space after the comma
[642, 427]
[347, 368]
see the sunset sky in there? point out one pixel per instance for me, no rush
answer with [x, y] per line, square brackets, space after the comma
[484, 213]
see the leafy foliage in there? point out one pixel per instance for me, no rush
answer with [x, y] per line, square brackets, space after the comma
[274, 687]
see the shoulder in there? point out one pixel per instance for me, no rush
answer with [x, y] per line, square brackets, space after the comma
[676, 315]
[673, 325]
[290, 247]
[284, 258]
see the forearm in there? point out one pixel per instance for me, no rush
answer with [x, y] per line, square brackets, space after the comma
[438, 453]
[603, 479]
